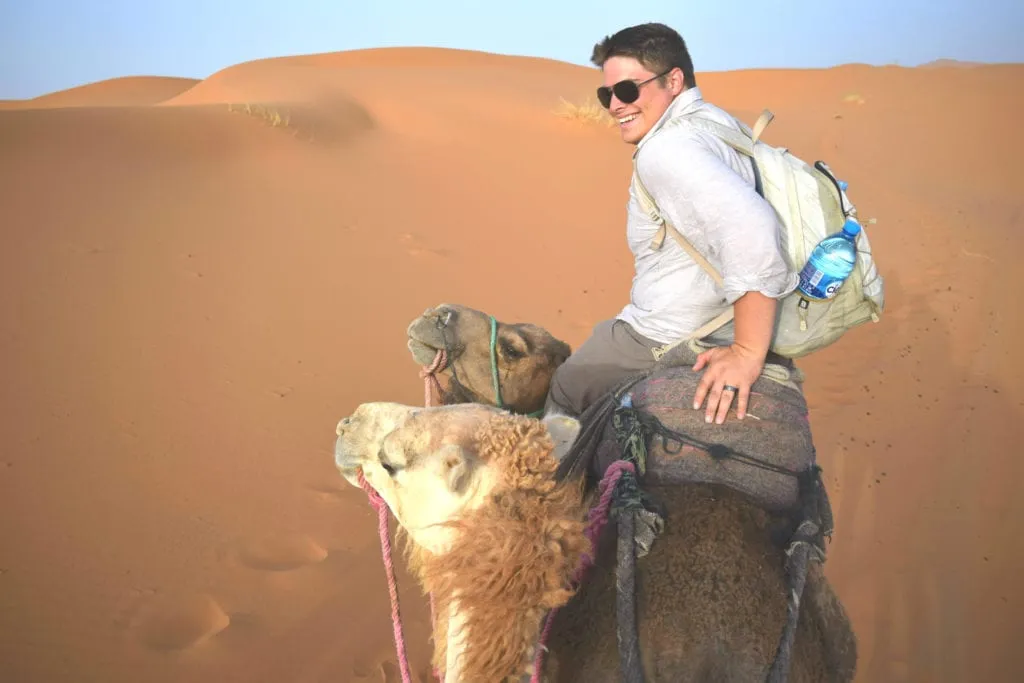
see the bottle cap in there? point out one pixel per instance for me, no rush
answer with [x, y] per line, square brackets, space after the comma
[851, 227]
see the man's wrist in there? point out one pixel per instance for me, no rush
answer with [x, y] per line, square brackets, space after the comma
[754, 353]
[754, 324]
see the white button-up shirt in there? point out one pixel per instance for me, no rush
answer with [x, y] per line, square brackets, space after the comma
[707, 191]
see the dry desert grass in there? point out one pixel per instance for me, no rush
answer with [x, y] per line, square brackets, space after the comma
[302, 122]
[590, 111]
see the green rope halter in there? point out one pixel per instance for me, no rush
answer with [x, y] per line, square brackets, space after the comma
[494, 370]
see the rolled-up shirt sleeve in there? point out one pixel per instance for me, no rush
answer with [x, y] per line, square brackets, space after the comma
[717, 209]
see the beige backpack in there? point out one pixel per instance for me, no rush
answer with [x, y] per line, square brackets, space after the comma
[810, 204]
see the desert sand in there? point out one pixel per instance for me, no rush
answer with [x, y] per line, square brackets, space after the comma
[198, 279]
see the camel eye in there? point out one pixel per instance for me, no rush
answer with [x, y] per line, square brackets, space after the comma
[390, 468]
[510, 349]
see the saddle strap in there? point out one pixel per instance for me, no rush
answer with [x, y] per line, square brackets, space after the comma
[796, 572]
[626, 631]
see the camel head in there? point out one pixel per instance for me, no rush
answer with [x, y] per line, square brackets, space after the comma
[433, 465]
[524, 355]
[419, 461]
[496, 540]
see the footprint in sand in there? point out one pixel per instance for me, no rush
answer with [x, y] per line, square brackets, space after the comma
[333, 488]
[414, 247]
[390, 673]
[180, 623]
[282, 553]
[338, 492]
[330, 494]
[386, 671]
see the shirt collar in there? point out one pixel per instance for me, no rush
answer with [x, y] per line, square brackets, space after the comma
[683, 102]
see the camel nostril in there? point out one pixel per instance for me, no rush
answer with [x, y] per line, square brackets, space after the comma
[443, 317]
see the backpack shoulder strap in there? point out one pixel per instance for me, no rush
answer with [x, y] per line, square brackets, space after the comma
[743, 141]
[647, 201]
[763, 120]
[738, 141]
[744, 144]
[650, 207]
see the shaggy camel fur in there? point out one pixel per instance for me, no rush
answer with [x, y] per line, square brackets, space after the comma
[711, 593]
[492, 538]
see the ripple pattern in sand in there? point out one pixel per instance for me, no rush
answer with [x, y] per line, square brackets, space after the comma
[181, 623]
[282, 553]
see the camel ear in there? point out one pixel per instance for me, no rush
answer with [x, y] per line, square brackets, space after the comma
[456, 467]
[563, 430]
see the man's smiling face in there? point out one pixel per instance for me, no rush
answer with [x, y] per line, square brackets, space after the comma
[636, 118]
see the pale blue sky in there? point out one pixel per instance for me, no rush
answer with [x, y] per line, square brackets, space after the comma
[48, 45]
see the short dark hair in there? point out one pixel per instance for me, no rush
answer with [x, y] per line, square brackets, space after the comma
[658, 47]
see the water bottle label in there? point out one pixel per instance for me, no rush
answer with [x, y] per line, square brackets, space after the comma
[816, 284]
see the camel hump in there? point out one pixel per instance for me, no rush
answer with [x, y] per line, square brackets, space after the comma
[761, 456]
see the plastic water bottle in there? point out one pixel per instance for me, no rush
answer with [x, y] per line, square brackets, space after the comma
[830, 263]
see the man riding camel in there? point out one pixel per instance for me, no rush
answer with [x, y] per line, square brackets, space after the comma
[708, 192]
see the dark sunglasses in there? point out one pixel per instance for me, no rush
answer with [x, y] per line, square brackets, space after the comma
[626, 91]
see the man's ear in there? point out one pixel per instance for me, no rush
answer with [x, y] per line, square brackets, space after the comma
[456, 467]
[563, 430]
[678, 73]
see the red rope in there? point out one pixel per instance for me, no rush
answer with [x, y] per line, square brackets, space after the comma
[385, 544]
[596, 519]
[430, 398]
[430, 382]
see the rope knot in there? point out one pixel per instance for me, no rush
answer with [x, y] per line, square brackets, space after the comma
[431, 385]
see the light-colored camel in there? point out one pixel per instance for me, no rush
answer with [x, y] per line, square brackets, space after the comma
[711, 594]
[491, 537]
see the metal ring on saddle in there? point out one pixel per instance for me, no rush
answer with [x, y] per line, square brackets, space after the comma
[729, 387]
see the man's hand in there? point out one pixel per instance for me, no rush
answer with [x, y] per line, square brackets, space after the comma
[731, 371]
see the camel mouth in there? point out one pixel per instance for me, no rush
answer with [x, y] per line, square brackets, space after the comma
[351, 475]
[347, 463]
[348, 468]
[426, 337]
[424, 354]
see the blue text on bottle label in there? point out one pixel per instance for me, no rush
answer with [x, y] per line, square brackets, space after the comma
[816, 284]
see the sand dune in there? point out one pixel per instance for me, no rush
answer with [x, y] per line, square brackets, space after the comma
[950, 64]
[115, 92]
[193, 293]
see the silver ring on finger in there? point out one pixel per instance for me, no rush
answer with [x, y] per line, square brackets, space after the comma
[729, 387]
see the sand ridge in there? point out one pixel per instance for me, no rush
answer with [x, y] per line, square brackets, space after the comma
[192, 294]
[114, 92]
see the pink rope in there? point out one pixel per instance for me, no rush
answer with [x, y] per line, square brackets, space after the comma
[385, 543]
[430, 398]
[596, 519]
[430, 383]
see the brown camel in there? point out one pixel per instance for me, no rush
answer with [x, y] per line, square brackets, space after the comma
[528, 356]
[711, 593]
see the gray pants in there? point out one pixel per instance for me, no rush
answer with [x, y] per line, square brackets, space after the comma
[613, 352]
